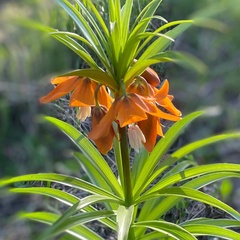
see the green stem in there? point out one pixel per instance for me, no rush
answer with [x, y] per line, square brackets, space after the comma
[126, 169]
[127, 181]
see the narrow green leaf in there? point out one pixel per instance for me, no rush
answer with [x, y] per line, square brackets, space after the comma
[156, 208]
[147, 12]
[159, 150]
[93, 174]
[209, 230]
[63, 179]
[92, 199]
[61, 196]
[194, 172]
[185, 150]
[180, 167]
[82, 218]
[96, 74]
[77, 48]
[169, 229]
[80, 232]
[192, 194]
[138, 163]
[125, 18]
[91, 153]
[161, 44]
[184, 59]
[226, 223]
[83, 26]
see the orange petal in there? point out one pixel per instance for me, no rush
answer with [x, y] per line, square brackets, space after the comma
[163, 91]
[168, 105]
[102, 129]
[139, 88]
[104, 98]
[129, 112]
[103, 144]
[83, 95]
[59, 91]
[58, 80]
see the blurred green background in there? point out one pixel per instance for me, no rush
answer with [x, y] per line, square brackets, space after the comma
[28, 59]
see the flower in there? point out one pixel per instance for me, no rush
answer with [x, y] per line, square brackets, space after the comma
[136, 137]
[83, 91]
[104, 144]
[128, 109]
[83, 113]
[151, 127]
[138, 108]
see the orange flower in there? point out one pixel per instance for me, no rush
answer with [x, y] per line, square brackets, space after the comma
[83, 90]
[104, 144]
[151, 126]
[127, 109]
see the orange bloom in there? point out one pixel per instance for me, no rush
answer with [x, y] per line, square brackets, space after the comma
[127, 109]
[83, 90]
[104, 144]
[151, 126]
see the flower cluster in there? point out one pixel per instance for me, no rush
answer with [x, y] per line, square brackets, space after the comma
[136, 108]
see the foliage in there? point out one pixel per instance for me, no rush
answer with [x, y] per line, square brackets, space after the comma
[133, 203]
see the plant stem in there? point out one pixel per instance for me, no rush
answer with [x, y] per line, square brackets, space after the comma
[127, 181]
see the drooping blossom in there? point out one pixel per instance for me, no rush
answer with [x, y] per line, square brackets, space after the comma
[136, 137]
[139, 108]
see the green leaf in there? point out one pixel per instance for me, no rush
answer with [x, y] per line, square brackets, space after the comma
[93, 174]
[91, 153]
[185, 192]
[63, 179]
[70, 219]
[125, 18]
[194, 172]
[159, 150]
[185, 150]
[95, 74]
[67, 40]
[92, 199]
[61, 196]
[82, 218]
[169, 229]
[184, 59]
[156, 208]
[124, 220]
[80, 232]
[84, 27]
[209, 230]
[138, 163]
[161, 44]
[180, 167]
[226, 223]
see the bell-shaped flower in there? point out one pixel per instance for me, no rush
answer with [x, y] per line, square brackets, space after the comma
[104, 144]
[127, 109]
[83, 113]
[83, 91]
[136, 137]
